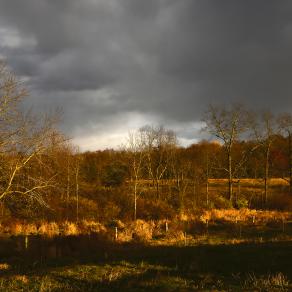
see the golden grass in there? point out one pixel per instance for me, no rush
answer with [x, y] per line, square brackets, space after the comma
[252, 181]
[69, 228]
[146, 230]
[90, 226]
[276, 282]
[52, 229]
[222, 181]
[21, 278]
[138, 230]
[247, 215]
[4, 266]
[15, 229]
[49, 229]
[18, 228]
[143, 230]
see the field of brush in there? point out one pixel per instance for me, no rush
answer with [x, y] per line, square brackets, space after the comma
[210, 250]
[216, 250]
[253, 182]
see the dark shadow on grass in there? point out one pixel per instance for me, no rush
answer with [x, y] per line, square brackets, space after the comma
[148, 279]
[189, 263]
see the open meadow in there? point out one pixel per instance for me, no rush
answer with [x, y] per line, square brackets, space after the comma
[209, 249]
[220, 250]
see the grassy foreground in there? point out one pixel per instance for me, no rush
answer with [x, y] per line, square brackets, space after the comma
[141, 267]
[219, 250]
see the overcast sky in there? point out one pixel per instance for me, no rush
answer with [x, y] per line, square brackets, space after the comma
[116, 65]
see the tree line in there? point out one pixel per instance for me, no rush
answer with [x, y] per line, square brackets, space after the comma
[44, 177]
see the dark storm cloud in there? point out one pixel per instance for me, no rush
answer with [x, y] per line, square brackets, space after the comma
[169, 59]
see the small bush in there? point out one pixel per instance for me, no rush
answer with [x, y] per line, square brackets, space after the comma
[154, 210]
[175, 235]
[70, 228]
[4, 266]
[221, 203]
[29, 229]
[242, 203]
[142, 230]
[88, 227]
[16, 228]
[117, 223]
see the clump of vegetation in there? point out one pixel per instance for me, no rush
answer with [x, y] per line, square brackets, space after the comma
[142, 230]
[276, 282]
[244, 215]
[70, 228]
[49, 229]
[89, 227]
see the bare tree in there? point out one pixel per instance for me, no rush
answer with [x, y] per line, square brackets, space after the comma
[159, 144]
[77, 170]
[136, 151]
[264, 129]
[227, 124]
[285, 124]
[24, 140]
[179, 169]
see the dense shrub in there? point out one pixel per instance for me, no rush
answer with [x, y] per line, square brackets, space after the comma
[114, 174]
[242, 203]
[154, 210]
[221, 203]
[281, 202]
[142, 230]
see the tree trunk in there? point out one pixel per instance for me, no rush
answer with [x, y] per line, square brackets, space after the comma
[77, 191]
[207, 180]
[207, 192]
[135, 200]
[290, 162]
[157, 189]
[181, 192]
[267, 175]
[238, 191]
[68, 181]
[230, 179]
[195, 197]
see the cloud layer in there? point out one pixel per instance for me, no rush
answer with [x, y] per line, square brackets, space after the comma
[113, 65]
